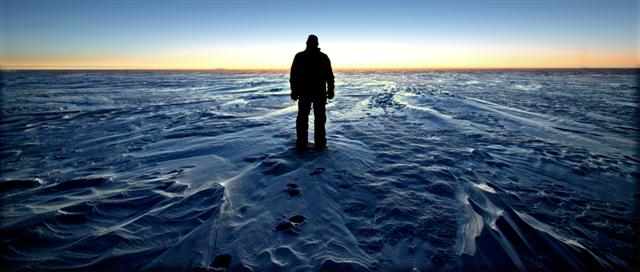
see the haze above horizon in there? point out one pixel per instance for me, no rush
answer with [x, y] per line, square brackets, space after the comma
[194, 34]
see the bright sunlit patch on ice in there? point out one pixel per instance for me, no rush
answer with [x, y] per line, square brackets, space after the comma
[484, 187]
[471, 228]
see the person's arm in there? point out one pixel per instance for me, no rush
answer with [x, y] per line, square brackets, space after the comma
[330, 80]
[293, 78]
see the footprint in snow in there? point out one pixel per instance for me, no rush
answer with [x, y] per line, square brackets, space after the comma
[293, 189]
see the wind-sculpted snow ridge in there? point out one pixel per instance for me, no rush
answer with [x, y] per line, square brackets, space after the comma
[485, 170]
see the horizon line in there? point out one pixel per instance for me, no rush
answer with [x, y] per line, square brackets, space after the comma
[365, 69]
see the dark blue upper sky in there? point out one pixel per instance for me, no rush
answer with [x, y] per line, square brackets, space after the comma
[86, 32]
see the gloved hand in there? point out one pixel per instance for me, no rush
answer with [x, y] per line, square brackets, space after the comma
[330, 94]
[294, 97]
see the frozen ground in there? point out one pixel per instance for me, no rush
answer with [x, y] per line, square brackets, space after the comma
[520, 170]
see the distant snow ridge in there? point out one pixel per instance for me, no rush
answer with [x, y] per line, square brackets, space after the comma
[427, 90]
[385, 99]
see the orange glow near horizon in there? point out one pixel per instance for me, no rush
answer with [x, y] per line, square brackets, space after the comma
[343, 56]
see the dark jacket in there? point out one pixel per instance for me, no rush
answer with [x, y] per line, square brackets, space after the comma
[310, 74]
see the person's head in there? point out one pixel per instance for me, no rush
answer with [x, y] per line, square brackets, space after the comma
[312, 41]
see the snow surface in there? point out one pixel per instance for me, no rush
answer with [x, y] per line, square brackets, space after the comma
[517, 170]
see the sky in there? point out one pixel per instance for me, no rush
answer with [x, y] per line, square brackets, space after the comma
[196, 34]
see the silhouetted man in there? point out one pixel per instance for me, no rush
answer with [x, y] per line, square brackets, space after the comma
[311, 74]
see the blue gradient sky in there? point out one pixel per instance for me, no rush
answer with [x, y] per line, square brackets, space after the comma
[355, 34]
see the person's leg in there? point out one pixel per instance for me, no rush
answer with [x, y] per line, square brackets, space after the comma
[302, 122]
[320, 120]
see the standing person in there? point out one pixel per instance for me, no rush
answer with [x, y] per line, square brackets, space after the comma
[311, 82]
